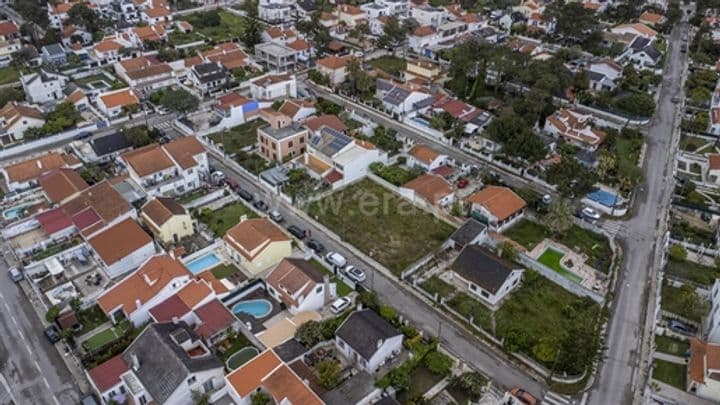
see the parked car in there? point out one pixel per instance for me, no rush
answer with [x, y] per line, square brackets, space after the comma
[463, 182]
[590, 213]
[261, 205]
[15, 275]
[681, 328]
[340, 305]
[276, 216]
[245, 195]
[52, 334]
[355, 274]
[83, 135]
[524, 396]
[315, 245]
[89, 399]
[296, 231]
[232, 184]
[336, 259]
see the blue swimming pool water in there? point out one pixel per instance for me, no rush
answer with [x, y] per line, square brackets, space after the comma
[257, 308]
[203, 263]
[14, 212]
[605, 198]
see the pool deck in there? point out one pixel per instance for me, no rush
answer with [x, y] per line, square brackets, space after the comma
[590, 276]
[257, 325]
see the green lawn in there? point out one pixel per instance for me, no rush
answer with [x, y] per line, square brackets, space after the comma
[342, 289]
[468, 306]
[238, 137]
[219, 221]
[692, 143]
[395, 174]
[178, 38]
[380, 223]
[224, 271]
[389, 64]
[628, 149]
[239, 342]
[241, 357]
[421, 380]
[90, 319]
[671, 345]
[670, 373]
[550, 324]
[231, 26]
[674, 300]
[551, 258]
[527, 233]
[682, 230]
[694, 272]
[106, 336]
[435, 285]
[191, 196]
[9, 75]
[253, 162]
[594, 245]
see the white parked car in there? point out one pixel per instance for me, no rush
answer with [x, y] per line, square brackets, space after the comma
[336, 259]
[355, 274]
[590, 213]
[340, 305]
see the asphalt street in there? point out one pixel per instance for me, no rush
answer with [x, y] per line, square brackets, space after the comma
[455, 339]
[618, 371]
[31, 370]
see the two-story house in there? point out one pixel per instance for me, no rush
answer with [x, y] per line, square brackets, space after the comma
[279, 144]
[367, 340]
[122, 247]
[167, 220]
[15, 119]
[208, 77]
[273, 86]
[575, 128]
[299, 285]
[257, 244]
[43, 87]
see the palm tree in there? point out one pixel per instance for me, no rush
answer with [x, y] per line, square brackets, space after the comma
[559, 216]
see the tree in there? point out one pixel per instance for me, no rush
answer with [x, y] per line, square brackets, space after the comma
[168, 54]
[75, 304]
[200, 398]
[260, 398]
[472, 382]
[570, 177]
[138, 136]
[689, 301]
[388, 313]
[438, 363]
[508, 251]
[253, 33]
[637, 104]
[80, 14]
[10, 94]
[573, 19]
[179, 100]
[559, 216]
[630, 174]
[607, 163]
[516, 137]
[328, 373]
[677, 253]
[316, 33]
[52, 313]
[393, 34]
[309, 333]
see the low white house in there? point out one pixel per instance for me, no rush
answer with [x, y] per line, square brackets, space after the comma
[497, 207]
[122, 247]
[15, 119]
[367, 340]
[273, 86]
[43, 87]
[401, 101]
[299, 285]
[487, 276]
[424, 156]
[575, 128]
[114, 103]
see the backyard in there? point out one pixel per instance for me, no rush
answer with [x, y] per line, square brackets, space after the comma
[551, 258]
[669, 345]
[683, 301]
[670, 373]
[470, 307]
[224, 271]
[106, 336]
[90, 319]
[697, 273]
[358, 213]
[682, 230]
[389, 64]
[228, 27]
[342, 289]
[219, 221]
[527, 233]
[434, 285]
[238, 137]
[9, 75]
[178, 38]
[550, 324]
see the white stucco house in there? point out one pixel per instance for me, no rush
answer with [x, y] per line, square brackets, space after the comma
[299, 285]
[487, 277]
[367, 340]
[43, 87]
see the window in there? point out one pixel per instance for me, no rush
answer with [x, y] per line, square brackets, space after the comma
[341, 344]
[142, 400]
[208, 385]
[302, 139]
[473, 287]
[191, 380]
[290, 144]
[319, 289]
[485, 294]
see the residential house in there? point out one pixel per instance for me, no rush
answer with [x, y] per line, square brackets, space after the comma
[304, 50]
[91, 211]
[703, 368]
[473, 118]
[277, 57]
[373, 11]
[10, 41]
[257, 244]
[267, 373]
[176, 167]
[116, 102]
[604, 74]
[432, 188]
[15, 119]
[74, 35]
[713, 177]
[280, 144]
[422, 70]
[77, 98]
[713, 125]
[299, 285]
[103, 148]
[156, 15]
[142, 36]
[575, 128]
[167, 220]
[315, 124]
[168, 362]
[334, 68]
[472, 232]
[544, 23]
[280, 36]
[108, 50]
[273, 86]
[328, 20]
[427, 15]
[214, 321]
[398, 8]
[338, 158]
[234, 109]
[635, 29]
[712, 322]
[145, 74]
[122, 248]
[403, 101]
[424, 156]
[53, 54]
[351, 15]
[428, 40]
[24, 175]
[106, 379]
[208, 77]
[642, 54]
[229, 54]
[297, 110]
[485, 275]
[132, 297]
[58, 12]
[61, 184]
[497, 207]
[651, 19]
[367, 340]
[275, 11]
[43, 87]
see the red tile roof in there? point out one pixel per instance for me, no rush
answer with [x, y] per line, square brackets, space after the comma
[502, 202]
[61, 183]
[53, 220]
[107, 374]
[119, 241]
[214, 317]
[172, 307]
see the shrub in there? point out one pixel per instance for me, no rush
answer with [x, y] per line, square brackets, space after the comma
[678, 253]
[310, 333]
[52, 313]
[388, 313]
[329, 373]
[409, 331]
[438, 363]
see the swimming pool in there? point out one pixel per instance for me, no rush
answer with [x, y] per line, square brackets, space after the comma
[241, 357]
[605, 198]
[203, 263]
[257, 308]
[14, 212]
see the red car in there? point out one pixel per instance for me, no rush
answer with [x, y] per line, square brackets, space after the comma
[524, 396]
[462, 183]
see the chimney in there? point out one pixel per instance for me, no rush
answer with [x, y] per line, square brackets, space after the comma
[138, 303]
[135, 362]
[175, 320]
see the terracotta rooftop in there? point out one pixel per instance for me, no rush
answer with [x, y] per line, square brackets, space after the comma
[119, 98]
[214, 317]
[329, 120]
[183, 151]
[249, 237]
[148, 160]
[423, 153]
[32, 168]
[160, 209]
[502, 202]
[119, 241]
[61, 183]
[194, 292]
[430, 187]
[107, 374]
[101, 200]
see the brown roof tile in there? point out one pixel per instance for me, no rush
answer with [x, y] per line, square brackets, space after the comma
[160, 209]
[119, 241]
[502, 202]
[251, 234]
[430, 187]
[62, 183]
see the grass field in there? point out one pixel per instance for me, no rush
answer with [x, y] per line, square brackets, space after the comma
[527, 233]
[231, 26]
[219, 221]
[551, 258]
[671, 345]
[106, 336]
[550, 324]
[468, 306]
[694, 272]
[675, 300]
[389, 64]
[9, 75]
[224, 271]
[383, 225]
[670, 373]
[238, 137]
[435, 285]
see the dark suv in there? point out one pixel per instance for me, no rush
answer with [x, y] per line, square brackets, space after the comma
[296, 231]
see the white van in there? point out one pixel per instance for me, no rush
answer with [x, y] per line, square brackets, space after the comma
[336, 259]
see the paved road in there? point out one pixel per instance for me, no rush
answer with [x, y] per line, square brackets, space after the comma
[617, 373]
[417, 136]
[464, 345]
[31, 370]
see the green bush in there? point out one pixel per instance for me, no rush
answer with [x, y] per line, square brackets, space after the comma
[438, 363]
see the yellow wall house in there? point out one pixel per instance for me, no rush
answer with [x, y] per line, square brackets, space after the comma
[167, 219]
[421, 69]
[257, 244]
